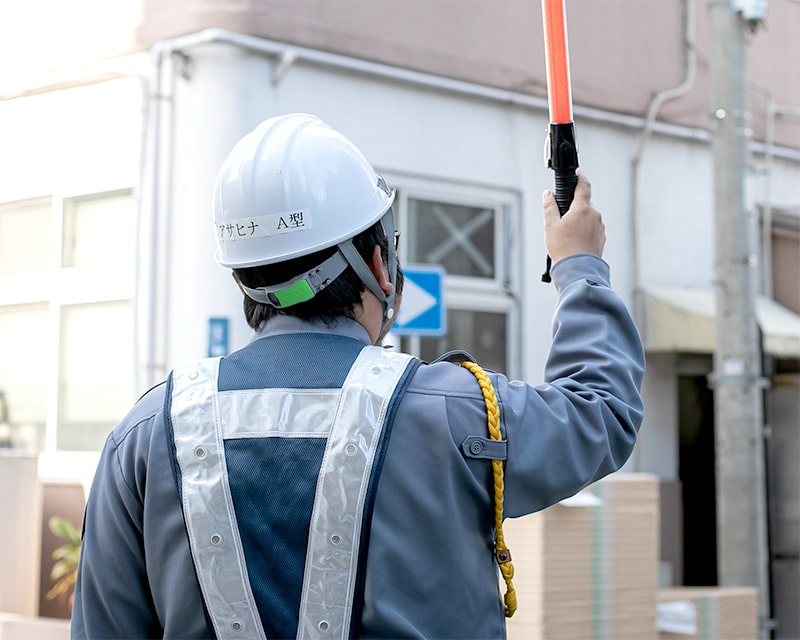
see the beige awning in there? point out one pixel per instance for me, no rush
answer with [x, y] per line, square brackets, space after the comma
[681, 319]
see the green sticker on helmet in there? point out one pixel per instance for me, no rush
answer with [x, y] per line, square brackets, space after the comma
[299, 292]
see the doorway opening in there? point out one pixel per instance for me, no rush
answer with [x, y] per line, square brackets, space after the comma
[697, 471]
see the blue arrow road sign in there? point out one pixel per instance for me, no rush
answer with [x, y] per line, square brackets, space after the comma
[422, 311]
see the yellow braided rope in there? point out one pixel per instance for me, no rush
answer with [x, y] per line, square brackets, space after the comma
[502, 552]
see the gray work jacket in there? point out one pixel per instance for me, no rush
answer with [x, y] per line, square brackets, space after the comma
[430, 569]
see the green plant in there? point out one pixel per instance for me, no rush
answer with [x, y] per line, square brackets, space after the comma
[65, 567]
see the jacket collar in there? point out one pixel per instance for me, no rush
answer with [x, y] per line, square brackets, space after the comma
[282, 324]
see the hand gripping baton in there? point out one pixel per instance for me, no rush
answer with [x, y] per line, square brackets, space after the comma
[561, 152]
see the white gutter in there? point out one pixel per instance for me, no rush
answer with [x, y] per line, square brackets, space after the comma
[288, 54]
[294, 53]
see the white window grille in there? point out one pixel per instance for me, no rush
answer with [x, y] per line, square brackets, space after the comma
[25, 237]
[66, 284]
[469, 232]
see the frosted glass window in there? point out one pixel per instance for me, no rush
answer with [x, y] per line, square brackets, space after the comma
[95, 373]
[24, 359]
[460, 238]
[482, 334]
[25, 237]
[99, 231]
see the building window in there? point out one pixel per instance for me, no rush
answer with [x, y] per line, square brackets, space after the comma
[786, 261]
[26, 237]
[467, 232]
[460, 238]
[66, 284]
[97, 230]
[94, 392]
[485, 334]
[24, 348]
[785, 271]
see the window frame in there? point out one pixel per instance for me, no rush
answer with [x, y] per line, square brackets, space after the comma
[58, 286]
[785, 228]
[497, 294]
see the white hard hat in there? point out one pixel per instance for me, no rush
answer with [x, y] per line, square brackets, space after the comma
[291, 187]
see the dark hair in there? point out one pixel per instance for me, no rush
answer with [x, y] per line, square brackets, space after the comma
[340, 298]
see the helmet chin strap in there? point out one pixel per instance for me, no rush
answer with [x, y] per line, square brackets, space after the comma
[368, 278]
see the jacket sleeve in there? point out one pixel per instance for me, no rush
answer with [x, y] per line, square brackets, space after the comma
[112, 597]
[581, 424]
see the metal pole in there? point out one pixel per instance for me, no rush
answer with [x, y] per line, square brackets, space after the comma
[741, 506]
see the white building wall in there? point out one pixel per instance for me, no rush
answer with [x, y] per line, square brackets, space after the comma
[676, 214]
[408, 130]
[87, 139]
[405, 131]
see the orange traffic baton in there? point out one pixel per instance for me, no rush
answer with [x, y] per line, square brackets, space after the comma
[561, 150]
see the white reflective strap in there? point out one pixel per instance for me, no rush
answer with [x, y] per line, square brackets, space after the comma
[334, 537]
[207, 505]
[277, 413]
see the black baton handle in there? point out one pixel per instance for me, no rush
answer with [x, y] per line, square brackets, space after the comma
[563, 160]
[565, 182]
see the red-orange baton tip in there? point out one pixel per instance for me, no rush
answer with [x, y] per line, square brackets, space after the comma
[557, 60]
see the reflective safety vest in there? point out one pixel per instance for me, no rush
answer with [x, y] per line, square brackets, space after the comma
[342, 432]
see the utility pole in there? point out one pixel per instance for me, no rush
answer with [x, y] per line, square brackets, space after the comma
[742, 558]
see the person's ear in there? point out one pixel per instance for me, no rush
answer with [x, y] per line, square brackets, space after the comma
[380, 270]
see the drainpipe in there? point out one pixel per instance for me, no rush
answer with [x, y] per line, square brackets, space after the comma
[152, 296]
[658, 101]
[136, 339]
[766, 223]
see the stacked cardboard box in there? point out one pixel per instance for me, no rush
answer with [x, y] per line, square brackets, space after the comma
[16, 627]
[720, 613]
[20, 533]
[589, 571]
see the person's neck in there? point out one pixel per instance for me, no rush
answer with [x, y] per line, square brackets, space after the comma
[370, 316]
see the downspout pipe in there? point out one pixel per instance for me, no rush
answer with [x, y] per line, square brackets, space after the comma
[152, 269]
[689, 77]
[658, 101]
[766, 223]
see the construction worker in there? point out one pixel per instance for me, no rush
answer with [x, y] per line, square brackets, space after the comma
[314, 485]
